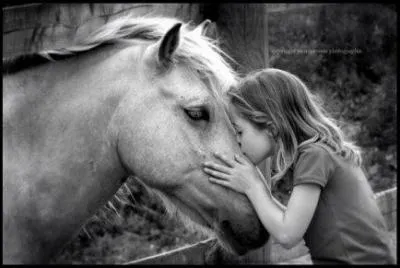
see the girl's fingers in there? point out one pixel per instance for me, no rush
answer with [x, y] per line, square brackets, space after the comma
[225, 159]
[218, 167]
[243, 159]
[217, 174]
[240, 159]
[220, 182]
[246, 159]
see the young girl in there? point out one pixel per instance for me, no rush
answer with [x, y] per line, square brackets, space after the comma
[331, 205]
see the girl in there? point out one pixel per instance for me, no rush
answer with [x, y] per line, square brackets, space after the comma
[331, 205]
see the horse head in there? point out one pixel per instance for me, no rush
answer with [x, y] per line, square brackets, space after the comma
[139, 96]
[176, 125]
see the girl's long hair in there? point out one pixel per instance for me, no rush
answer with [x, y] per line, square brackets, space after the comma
[277, 96]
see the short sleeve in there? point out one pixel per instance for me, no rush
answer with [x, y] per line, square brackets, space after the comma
[314, 165]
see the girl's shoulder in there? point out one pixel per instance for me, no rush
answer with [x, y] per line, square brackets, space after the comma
[315, 163]
[318, 148]
[317, 153]
[315, 150]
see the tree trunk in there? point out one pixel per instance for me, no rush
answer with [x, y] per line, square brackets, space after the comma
[243, 29]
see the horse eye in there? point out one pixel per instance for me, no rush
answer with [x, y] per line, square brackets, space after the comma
[198, 114]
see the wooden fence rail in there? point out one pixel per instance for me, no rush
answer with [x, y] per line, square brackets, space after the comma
[201, 252]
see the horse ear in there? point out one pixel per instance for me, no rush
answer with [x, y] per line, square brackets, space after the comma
[168, 45]
[207, 28]
[202, 27]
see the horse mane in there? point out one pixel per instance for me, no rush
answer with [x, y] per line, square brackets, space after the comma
[197, 51]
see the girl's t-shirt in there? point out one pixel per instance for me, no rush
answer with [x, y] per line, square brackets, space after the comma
[347, 226]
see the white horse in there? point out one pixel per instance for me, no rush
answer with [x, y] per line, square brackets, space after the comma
[140, 96]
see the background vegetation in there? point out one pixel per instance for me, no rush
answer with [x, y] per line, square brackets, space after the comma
[346, 53]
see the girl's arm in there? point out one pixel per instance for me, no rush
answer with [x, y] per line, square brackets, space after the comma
[268, 185]
[288, 225]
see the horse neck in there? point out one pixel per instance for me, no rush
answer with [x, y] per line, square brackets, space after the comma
[63, 90]
[56, 126]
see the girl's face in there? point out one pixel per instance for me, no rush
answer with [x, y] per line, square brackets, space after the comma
[257, 144]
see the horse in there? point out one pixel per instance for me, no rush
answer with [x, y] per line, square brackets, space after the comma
[139, 97]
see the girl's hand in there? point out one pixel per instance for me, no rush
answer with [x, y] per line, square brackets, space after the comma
[239, 174]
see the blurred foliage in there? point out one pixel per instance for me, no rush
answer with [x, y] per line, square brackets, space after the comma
[359, 89]
[347, 54]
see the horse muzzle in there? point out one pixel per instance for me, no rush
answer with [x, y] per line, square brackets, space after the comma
[238, 242]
